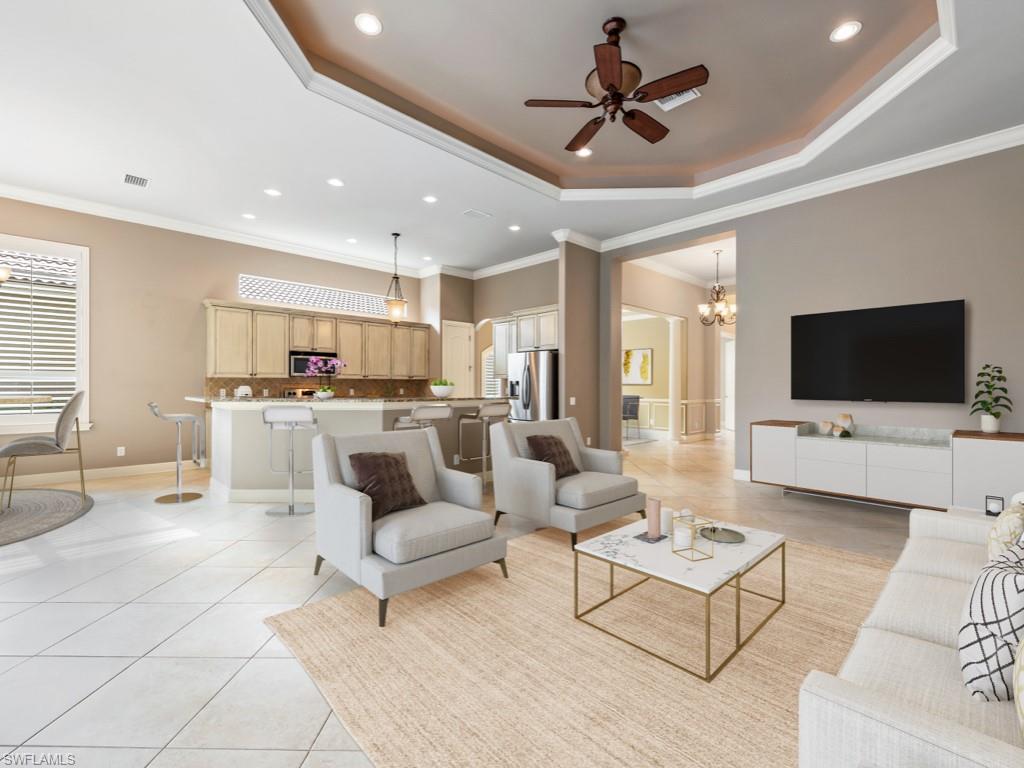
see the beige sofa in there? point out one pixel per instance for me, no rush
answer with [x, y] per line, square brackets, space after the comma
[899, 699]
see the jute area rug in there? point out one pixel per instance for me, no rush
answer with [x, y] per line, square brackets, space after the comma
[480, 671]
[35, 511]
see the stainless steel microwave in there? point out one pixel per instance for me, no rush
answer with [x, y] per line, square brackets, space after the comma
[298, 361]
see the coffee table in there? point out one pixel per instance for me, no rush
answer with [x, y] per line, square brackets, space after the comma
[704, 578]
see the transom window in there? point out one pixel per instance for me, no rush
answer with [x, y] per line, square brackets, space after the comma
[43, 332]
[306, 295]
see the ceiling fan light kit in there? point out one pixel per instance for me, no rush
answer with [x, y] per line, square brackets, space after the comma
[614, 83]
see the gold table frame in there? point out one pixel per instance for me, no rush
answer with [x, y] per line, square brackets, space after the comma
[735, 582]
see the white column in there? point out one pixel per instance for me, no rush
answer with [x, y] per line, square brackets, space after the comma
[675, 377]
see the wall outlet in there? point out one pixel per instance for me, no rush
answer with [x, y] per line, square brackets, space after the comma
[351, 392]
[120, 450]
[572, 401]
[401, 390]
[588, 441]
[456, 460]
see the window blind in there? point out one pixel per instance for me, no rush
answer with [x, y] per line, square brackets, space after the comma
[38, 331]
[489, 385]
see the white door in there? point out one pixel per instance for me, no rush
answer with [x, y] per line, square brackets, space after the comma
[729, 383]
[457, 357]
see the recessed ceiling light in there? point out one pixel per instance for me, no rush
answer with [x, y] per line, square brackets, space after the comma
[585, 152]
[427, 258]
[514, 227]
[429, 199]
[369, 24]
[845, 31]
[352, 240]
[336, 182]
[272, 192]
[248, 216]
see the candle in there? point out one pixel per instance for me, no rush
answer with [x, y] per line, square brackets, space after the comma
[653, 513]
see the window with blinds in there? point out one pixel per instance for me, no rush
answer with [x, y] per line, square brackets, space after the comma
[39, 327]
[490, 386]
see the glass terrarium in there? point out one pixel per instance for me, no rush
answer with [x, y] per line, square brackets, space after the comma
[686, 539]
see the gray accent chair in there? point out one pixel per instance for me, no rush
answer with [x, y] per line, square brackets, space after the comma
[45, 445]
[412, 547]
[526, 487]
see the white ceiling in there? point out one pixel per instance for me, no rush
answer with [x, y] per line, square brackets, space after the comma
[194, 95]
[696, 264]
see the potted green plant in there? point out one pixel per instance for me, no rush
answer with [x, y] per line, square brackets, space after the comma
[992, 397]
[442, 387]
[324, 369]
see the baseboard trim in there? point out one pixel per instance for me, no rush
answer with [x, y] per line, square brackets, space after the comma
[741, 474]
[98, 473]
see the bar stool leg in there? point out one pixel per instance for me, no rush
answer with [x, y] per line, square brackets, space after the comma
[290, 510]
[178, 497]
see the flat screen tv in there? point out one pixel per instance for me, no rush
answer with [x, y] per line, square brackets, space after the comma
[908, 354]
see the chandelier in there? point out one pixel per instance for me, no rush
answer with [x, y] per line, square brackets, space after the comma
[718, 310]
[394, 300]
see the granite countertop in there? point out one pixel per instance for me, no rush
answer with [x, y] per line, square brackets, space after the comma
[339, 401]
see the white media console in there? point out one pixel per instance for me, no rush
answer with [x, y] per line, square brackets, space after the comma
[891, 465]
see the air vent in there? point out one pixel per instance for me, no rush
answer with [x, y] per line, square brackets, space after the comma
[135, 181]
[473, 213]
[677, 99]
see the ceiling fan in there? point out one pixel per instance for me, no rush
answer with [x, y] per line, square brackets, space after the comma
[613, 80]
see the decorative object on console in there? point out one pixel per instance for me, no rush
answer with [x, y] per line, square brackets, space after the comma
[442, 387]
[993, 622]
[991, 397]
[686, 529]
[994, 505]
[825, 427]
[324, 369]
[845, 420]
[1006, 531]
[395, 302]
[718, 310]
[638, 366]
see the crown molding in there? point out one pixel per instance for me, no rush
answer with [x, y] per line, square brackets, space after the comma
[667, 271]
[442, 269]
[921, 161]
[512, 266]
[117, 213]
[577, 238]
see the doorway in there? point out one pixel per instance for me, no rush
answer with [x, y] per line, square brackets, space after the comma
[729, 383]
[458, 345]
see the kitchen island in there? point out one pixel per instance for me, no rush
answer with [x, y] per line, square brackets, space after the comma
[240, 441]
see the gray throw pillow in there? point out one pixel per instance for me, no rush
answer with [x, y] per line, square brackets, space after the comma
[385, 478]
[552, 449]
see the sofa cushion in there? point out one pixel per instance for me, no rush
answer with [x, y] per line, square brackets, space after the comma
[563, 428]
[414, 443]
[385, 478]
[592, 489]
[439, 526]
[926, 676]
[993, 626]
[947, 559]
[900, 607]
[553, 450]
[1007, 530]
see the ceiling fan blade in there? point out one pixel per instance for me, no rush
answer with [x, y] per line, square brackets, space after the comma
[581, 139]
[557, 103]
[644, 125]
[693, 77]
[609, 66]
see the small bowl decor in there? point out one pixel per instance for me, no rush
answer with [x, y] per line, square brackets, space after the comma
[442, 388]
[324, 394]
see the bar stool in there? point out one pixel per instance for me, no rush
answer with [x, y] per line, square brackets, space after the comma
[291, 418]
[486, 414]
[198, 435]
[423, 416]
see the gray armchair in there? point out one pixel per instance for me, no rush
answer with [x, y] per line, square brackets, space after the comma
[409, 548]
[527, 487]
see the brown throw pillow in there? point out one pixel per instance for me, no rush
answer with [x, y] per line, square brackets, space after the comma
[551, 449]
[385, 478]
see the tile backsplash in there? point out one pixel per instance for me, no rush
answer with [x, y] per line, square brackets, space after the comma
[360, 387]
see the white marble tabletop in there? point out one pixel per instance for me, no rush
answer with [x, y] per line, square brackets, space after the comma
[704, 576]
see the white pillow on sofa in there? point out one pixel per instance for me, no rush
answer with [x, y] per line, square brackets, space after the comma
[1007, 529]
[993, 627]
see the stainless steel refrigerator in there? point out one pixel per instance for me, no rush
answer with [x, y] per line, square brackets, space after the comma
[533, 385]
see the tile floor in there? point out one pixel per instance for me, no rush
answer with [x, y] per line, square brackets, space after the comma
[134, 636]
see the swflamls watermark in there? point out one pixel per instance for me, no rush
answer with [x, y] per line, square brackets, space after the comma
[31, 759]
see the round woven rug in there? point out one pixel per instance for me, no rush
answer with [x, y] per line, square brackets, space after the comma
[37, 510]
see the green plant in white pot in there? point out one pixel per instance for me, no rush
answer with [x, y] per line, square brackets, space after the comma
[442, 387]
[992, 397]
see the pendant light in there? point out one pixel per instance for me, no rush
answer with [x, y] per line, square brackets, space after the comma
[5, 273]
[718, 310]
[393, 300]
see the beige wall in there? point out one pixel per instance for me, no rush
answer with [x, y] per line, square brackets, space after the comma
[501, 295]
[653, 333]
[430, 312]
[946, 233]
[579, 276]
[147, 324]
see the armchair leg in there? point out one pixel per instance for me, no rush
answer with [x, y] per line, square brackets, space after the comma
[316, 566]
[643, 514]
[382, 611]
[504, 567]
[573, 535]
[497, 515]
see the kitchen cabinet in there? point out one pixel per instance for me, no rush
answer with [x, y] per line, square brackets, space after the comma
[228, 342]
[377, 351]
[502, 346]
[301, 333]
[312, 334]
[270, 345]
[401, 352]
[350, 348]
[323, 335]
[537, 331]
[420, 355]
